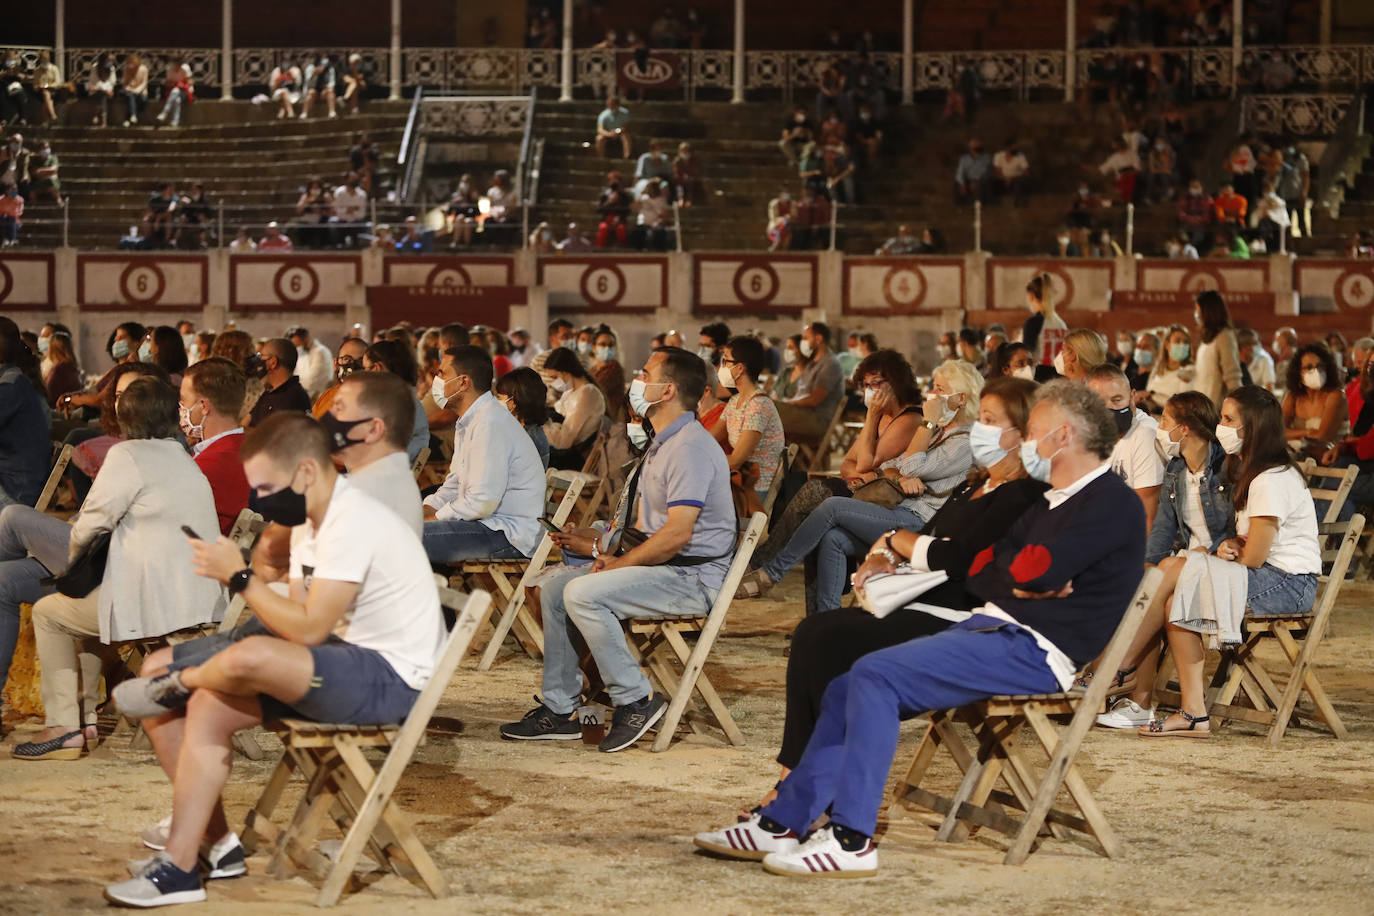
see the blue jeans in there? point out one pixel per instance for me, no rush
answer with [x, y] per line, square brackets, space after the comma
[595, 603]
[842, 527]
[134, 100]
[33, 546]
[9, 229]
[453, 540]
[846, 763]
[1270, 591]
[172, 107]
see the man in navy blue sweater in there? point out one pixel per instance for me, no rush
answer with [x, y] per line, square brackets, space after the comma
[1055, 589]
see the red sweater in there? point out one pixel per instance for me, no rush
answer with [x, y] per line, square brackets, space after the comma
[221, 466]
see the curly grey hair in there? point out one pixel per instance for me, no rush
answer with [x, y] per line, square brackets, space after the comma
[1085, 413]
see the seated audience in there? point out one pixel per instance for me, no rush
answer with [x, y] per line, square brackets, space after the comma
[1256, 360]
[1090, 534]
[788, 377]
[64, 375]
[489, 505]
[1011, 168]
[1196, 214]
[369, 426]
[613, 126]
[355, 645]
[608, 373]
[972, 173]
[750, 421]
[806, 415]
[398, 358]
[1083, 351]
[1315, 412]
[149, 490]
[523, 393]
[651, 165]
[689, 528]
[313, 361]
[1357, 448]
[1134, 457]
[179, 92]
[1012, 359]
[1174, 371]
[577, 411]
[797, 131]
[275, 364]
[25, 451]
[688, 187]
[653, 217]
[348, 361]
[163, 347]
[210, 404]
[274, 239]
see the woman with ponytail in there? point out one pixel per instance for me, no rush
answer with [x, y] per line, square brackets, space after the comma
[1044, 330]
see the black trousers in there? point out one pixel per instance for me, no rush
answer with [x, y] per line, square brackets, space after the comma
[824, 647]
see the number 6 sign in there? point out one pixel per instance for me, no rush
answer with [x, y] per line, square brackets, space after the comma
[296, 284]
[142, 283]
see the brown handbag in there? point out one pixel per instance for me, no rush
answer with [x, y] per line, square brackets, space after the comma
[882, 491]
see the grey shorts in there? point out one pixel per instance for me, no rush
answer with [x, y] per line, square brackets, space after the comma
[349, 686]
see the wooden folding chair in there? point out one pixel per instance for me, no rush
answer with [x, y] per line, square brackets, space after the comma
[342, 785]
[1334, 499]
[659, 644]
[814, 456]
[417, 466]
[979, 802]
[510, 578]
[62, 458]
[789, 455]
[1299, 636]
[596, 472]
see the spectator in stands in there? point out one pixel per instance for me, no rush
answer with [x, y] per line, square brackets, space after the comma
[830, 92]
[1085, 208]
[100, 87]
[1276, 540]
[369, 428]
[274, 240]
[1294, 184]
[652, 214]
[63, 375]
[797, 131]
[1011, 167]
[162, 347]
[811, 167]
[994, 335]
[1227, 242]
[789, 375]
[11, 216]
[151, 489]
[577, 412]
[1257, 361]
[541, 240]
[1104, 246]
[179, 92]
[807, 414]
[275, 364]
[614, 209]
[321, 76]
[503, 201]
[284, 86]
[49, 86]
[812, 225]
[1162, 171]
[349, 216]
[348, 361]
[947, 346]
[313, 361]
[462, 210]
[1180, 248]
[1240, 168]
[781, 215]
[902, 243]
[608, 373]
[867, 134]
[1196, 213]
[44, 180]
[685, 510]
[1335, 342]
[1230, 207]
[613, 124]
[1285, 345]
[971, 174]
[313, 211]
[522, 392]
[1013, 359]
[1134, 457]
[932, 241]
[14, 164]
[1315, 413]
[687, 182]
[969, 349]
[1270, 217]
[1123, 165]
[651, 165]
[574, 241]
[840, 180]
[24, 451]
[1174, 371]
[357, 79]
[1064, 246]
[416, 239]
[1360, 352]
[1357, 447]
[1043, 332]
[211, 402]
[383, 600]
[398, 358]
[1083, 351]
[490, 503]
[242, 241]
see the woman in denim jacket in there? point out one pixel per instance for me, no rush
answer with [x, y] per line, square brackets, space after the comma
[1195, 511]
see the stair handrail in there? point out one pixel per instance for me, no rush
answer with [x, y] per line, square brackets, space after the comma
[406, 157]
[1342, 160]
[523, 169]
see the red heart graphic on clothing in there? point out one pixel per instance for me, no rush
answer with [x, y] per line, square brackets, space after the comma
[1031, 563]
[983, 558]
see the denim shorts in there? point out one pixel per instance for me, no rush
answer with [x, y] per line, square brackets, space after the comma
[350, 685]
[1273, 592]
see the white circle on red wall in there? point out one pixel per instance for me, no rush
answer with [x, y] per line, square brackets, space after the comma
[755, 283]
[1195, 280]
[297, 284]
[1354, 289]
[602, 284]
[448, 275]
[142, 283]
[904, 287]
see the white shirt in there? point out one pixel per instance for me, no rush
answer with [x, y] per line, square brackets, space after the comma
[1193, 516]
[350, 206]
[1010, 166]
[396, 609]
[520, 358]
[203, 444]
[315, 368]
[1057, 498]
[1135, 458]
[496, 477]
[1262, 369]
[389, 481]
[1119, 162]
[1282, 494]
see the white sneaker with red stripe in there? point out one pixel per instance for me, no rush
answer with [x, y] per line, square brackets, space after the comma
[822, 856]
[746, 840]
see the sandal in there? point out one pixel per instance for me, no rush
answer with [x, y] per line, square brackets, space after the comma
[52, 749]
[755, 584]
[1156, 728]
[1120, 684]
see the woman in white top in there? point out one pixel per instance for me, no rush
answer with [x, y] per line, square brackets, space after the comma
[651, 221]
[1316, 414]
[1174, 371]
[580, 407]
[1276, 540]
[47, 79]
[134, 86]
[101, 87]
[1218, 356]
[1044, 331]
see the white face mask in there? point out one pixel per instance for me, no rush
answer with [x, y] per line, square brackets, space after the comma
[1314, 378]
[436, 391]
[559, 385]
[789, 357]
[188, 340]
[1025, 372]
[584, 347]
[869, 395]
[1167, 446]
[947, 413]
[985, 442]
[706, 354]
[725, 376]
[806, 348]
[944, 351]
[638, 401]
[638, 437]
[605, 354]
[854, 352]
[1229, 438]
[1059, 362]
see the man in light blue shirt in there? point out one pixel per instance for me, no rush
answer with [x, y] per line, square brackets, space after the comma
[613, 123]
[489, 505]
[686, 512]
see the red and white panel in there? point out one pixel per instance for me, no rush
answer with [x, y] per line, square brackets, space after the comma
[1334, 286]
[754, 283]
[442, 270]
[605, 284]
[1195, 276]
[1079, 283]
[292, 281]
[902, 286]
[26, 282]
[138, 281]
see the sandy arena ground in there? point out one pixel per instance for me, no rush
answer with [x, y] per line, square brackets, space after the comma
[1226, 824]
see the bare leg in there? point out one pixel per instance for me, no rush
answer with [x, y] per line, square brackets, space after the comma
[1188, 657]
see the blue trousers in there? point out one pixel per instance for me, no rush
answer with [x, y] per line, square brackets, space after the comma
[847, 760]
[841, 528]
[453, 540]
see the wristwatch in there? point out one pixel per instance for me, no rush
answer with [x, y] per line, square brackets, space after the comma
[239, 580]
[933, 427]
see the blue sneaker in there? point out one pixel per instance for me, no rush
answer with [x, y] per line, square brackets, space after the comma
[160, 884]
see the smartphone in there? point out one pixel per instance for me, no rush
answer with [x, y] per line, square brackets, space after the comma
[186, 530]
[550, 526]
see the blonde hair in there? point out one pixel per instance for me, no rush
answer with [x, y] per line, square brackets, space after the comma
[965, 380]
[1087, 345]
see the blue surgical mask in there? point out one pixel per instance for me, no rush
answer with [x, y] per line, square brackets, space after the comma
[639, 438]
[605, 354]
[119, 349]
[638, 401]
[145, 351]
[1143, 358]
[1179, 352]
[1036, 465]
[985, 443]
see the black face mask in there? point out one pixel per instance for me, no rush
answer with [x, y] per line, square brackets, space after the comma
[285, 507]
[254, 366]
[1123, 418]
[347, 366]
[338, 430]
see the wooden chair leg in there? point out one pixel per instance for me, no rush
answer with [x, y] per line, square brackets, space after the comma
[258, 825]
[1061, 751]
[1301, 678]
[702, 684]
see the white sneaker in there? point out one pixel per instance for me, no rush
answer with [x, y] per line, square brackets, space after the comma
[746, 841]
[1125, 713]
[822, 856]
[155, 837]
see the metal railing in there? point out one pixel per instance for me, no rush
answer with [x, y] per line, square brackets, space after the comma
[405, 158]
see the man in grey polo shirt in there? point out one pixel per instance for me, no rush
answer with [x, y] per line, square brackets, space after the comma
[806, 415]
[686, 512]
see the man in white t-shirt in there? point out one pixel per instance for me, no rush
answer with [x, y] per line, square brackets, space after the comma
[369, 427]
[350, 211]
[354, 641]
[314, 362]
[1135, 459]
